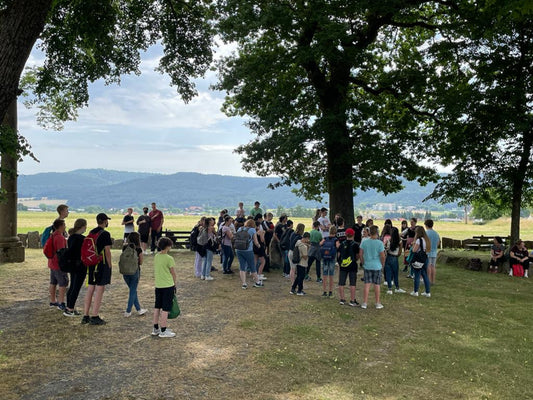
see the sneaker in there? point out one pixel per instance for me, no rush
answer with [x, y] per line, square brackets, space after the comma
[325, 294]
[292, 292]
[389, 291]
[410, 276]
[202, 277]
[258, 284]
[97, 321]
[213, 269]
[167, 333]
[262, 277]
[319, 280]
[404, 270]
[379, 306]
[414, 294]
[399, 290]
[156, 332]
[55, 304]
[85, 319]
[307, 278]
[426, 294]
[76, 312]
[302, 293]
[330, 294]
[68, 313]
[209, 278]
[363, 306]
[142, 311]
[342, 302]
[354, 303]
[127, 314]
[62, 307]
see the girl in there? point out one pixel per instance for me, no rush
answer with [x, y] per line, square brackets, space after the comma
[393, 249]
[79, 271]
[134, 241]
[421, 242]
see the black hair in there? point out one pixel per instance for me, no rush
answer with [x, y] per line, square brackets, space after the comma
[164, 242]
[290, 223]
[394, 238]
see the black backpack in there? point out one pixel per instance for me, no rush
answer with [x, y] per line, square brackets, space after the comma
[296, 255]
[193, 239]
[64, 261]
[285, 240]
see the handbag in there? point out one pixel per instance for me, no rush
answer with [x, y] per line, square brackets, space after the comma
[419, 258]
[175, 310]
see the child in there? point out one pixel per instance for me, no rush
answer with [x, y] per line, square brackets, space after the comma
[348, 254]
[134, 241]
[328, 253]
[314, 251]
[57, 277]
[372, 256]
[301, 266]
[165, 288]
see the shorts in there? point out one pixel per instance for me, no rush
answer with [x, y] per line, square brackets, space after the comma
[328, 267]
[372, 276]
[58, 277]
[432, 261]
[163, 298]
[144, 237]
[99, 275]
[293, 265]
[344, 273]
[259, 251]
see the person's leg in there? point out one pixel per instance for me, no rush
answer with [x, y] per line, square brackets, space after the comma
[52, 292]
[286, 265]
[198, 264]
[526, 268]
[98, 295]
[416, 279]
[366, 289]
[388, 272]
[157, 313]
[261, 265]
[318, 269]
[208, 263]
[61, 294]
[427, 284]
[395, 271]
[88, 299]
[242, 266]
[301, 272]
[154, 241]
[352, 276]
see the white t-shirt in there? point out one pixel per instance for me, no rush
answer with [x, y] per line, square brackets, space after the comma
[324, 226]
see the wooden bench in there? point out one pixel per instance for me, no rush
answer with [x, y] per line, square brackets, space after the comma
[180, 239]
[483, 242]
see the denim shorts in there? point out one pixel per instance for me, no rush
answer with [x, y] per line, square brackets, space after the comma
[432, 261]
[58, 277]
[373, 276]
[328, 267]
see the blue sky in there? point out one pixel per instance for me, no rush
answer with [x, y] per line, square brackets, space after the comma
[141, 125]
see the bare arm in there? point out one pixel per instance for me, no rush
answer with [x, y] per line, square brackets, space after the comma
[107, 252]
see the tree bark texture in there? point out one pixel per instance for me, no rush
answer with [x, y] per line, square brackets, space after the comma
[21, 23]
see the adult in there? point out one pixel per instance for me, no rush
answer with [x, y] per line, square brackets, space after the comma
[519, 255]
[372, 256]
[434, 237]
[143, 227]
[324, 222]
[79, 271]
[226, 243]
[100, 274]
[156, 226]
[134, 241]
[421, 243]
[497, 252]
[128, 221]
[58, 278]
[246, 257]
[268, 227]
[256, 210]
[260, 251]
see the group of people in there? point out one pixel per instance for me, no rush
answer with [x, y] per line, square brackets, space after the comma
[258, 243]
[99, 275]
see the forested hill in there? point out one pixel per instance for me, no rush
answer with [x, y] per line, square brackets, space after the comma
[119, 189]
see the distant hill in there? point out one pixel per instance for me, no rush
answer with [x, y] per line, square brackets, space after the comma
[119, 189]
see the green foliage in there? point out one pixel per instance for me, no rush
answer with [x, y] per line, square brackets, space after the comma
[485, 211]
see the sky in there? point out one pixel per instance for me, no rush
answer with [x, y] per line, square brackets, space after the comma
[142, 126]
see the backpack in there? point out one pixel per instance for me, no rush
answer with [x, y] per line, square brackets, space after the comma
[193, 238]
[202, 238]
[474, 264]
[328, 249]
[89, 253]
[48, 248]
[518, 270]
[128, 262]
[296, 255]
[64, 261]
[46, 234]
[347, 256]
[220, 234]
[285, 240]
[242, 239]
[418, 260]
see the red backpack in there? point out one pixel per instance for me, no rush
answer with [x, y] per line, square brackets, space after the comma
[518, 270]
[89, 253]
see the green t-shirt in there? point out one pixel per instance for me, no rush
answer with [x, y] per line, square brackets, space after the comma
[162, 265]
[316, 236]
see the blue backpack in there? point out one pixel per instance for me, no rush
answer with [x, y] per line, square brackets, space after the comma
[46, 234]
[328, 248]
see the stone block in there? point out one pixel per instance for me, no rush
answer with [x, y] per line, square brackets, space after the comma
[23, 237]
[117, 244]
[34, 240]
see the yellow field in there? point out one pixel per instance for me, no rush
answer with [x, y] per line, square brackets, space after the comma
[33, 221]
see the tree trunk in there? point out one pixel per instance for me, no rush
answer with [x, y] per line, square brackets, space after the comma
[21, 23]
[515, 212]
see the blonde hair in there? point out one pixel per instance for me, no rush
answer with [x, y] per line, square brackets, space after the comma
[300, 228]
[420, 232]
[250, 223]
[332, 230]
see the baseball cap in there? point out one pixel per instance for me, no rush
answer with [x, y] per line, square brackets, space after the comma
[101, 217]
[350, 232]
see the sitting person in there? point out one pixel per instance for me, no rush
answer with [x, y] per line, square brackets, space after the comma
[519, 255]
[496, 255]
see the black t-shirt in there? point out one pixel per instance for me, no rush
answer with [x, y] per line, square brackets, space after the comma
[104, 239]
[341, 234]
[348, 249]
[358, 229]
[279, 229]
[128, 220]
[144, 228]
[519, 253]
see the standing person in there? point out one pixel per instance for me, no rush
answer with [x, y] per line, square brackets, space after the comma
[348, 252]
[210, 248]
[336, 219]
[315, 237]
[358, 229]
[284, 244]
[317, 215]
[156, 225]
[100, 274]
[301, 266]
[295, 236]
[79, 271]
[256, 210]
[166, 285]
[393, 249]
[432, 255]
[268, 227]
[240, 214]
[260, 251]
[324, 222]
[227, 249]
[198, 249]
[328, 254]
[372, 256]
[58, 278]
[62, 213]
[421, 243]
[134, 241]
[496, 254]
[410, 235]
[143, 227]
[128, 221]
[246, 257]
[403, 236]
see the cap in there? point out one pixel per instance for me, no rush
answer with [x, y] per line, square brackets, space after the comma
[101, 217]
[350, 232]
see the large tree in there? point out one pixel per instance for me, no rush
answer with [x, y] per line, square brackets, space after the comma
[322, 87]
[481, 87]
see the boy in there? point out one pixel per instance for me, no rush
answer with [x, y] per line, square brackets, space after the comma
[165, 288]
[348, 254]
[328, 253]
[314, 251]
[301, 265]
[128, 221]
[434, 238]
[372, 256]
[57, 277]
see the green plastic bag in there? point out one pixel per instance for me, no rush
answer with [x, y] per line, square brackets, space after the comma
[175, 310]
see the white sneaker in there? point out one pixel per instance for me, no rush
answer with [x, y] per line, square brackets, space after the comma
[127, 314]
[389, 291]
[209, 278]
[202, 277]
[363, 306]
[379, 306]
[167, 333]
[142, 311]
[399, 290]
[156, 332]
[511, 273]
[426, 294]
[414, 294]
[262, 277]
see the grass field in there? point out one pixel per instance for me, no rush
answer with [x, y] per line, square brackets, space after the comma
[31, 221]
[470, 340]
